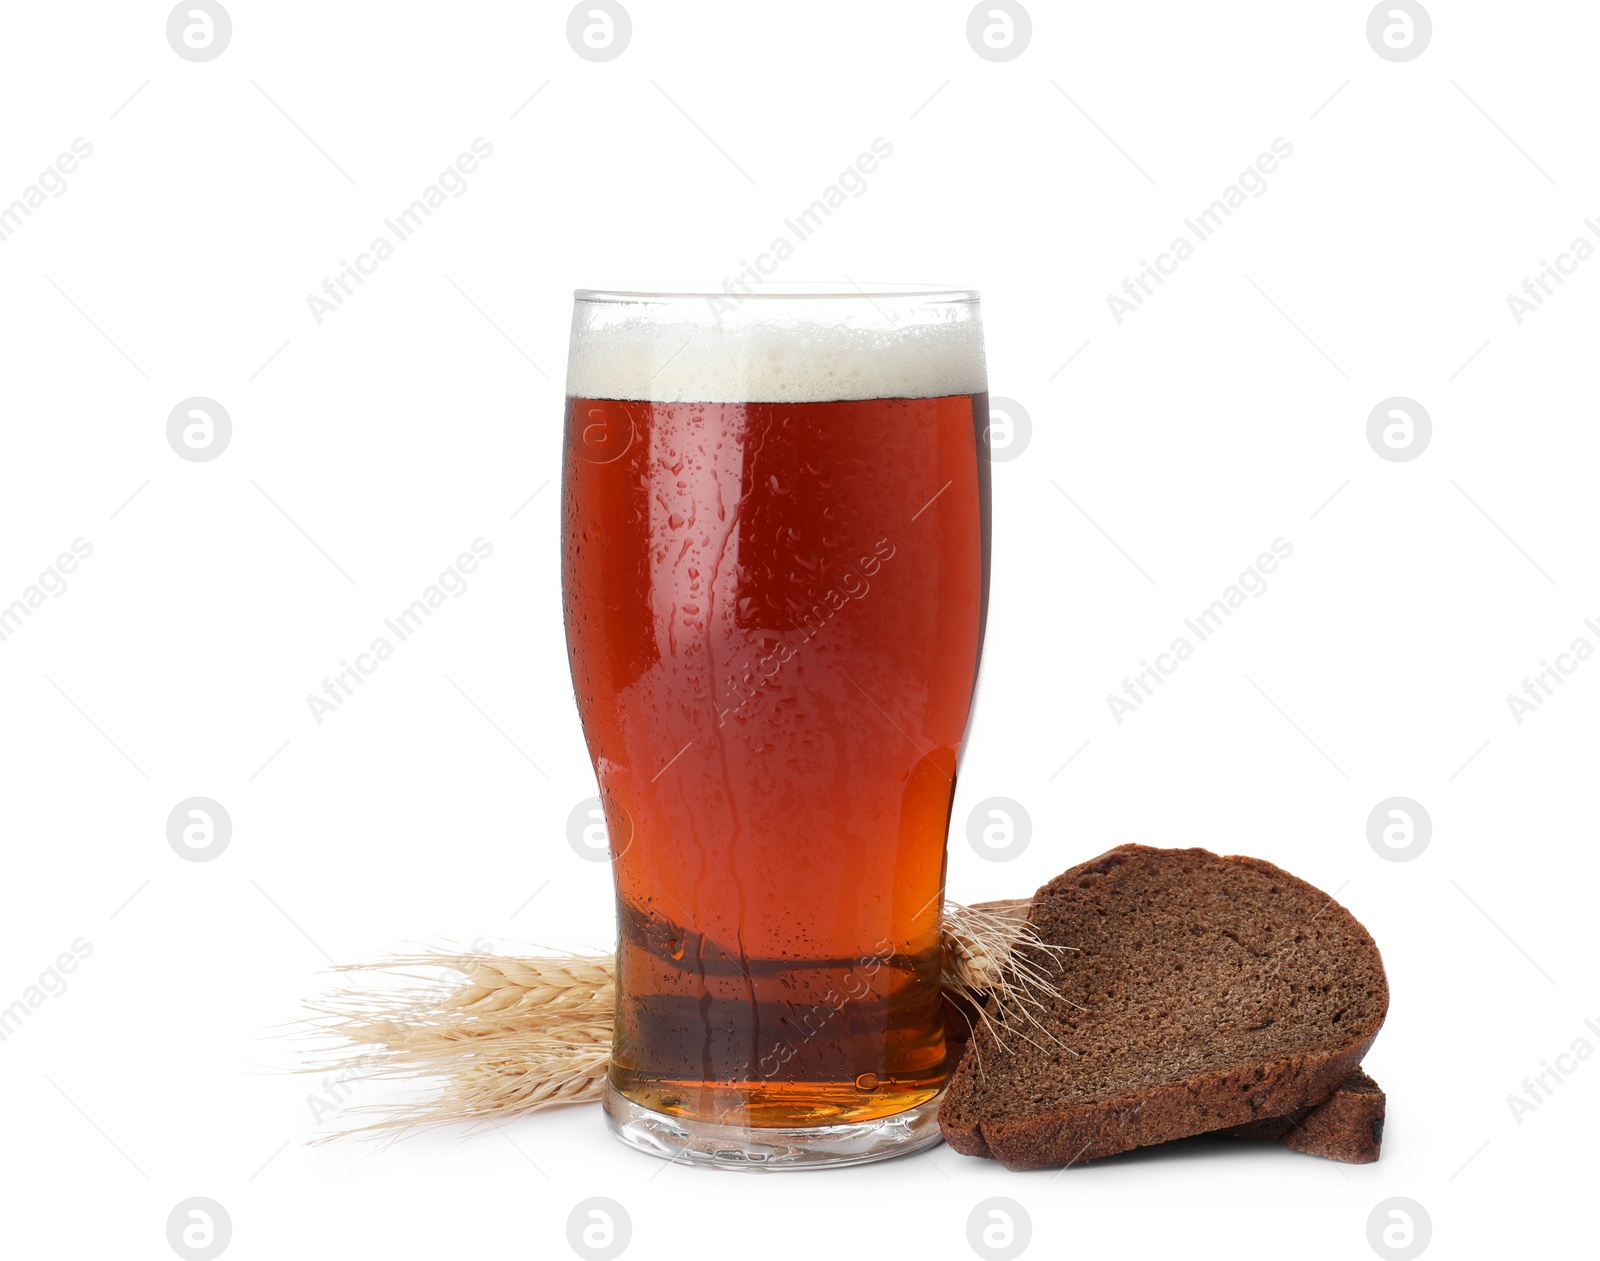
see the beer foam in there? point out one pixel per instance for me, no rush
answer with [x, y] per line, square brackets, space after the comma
[774, 362]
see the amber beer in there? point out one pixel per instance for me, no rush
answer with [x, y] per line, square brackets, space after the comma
[774, 611]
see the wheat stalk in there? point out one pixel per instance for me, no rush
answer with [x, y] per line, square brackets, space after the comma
[998, 970]
[516, 1034]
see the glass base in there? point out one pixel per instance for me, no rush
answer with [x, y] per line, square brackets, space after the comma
[717, 1146]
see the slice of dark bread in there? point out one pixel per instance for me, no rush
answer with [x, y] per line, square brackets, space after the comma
[1347, 1125]
[1200, 993]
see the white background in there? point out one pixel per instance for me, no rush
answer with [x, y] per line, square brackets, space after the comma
[369, 451]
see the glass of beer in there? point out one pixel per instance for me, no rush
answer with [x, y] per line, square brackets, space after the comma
[775, 514]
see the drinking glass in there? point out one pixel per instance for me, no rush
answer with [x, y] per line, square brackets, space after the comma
[775, 513]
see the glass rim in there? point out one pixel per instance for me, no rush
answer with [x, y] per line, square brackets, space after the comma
[785, 291]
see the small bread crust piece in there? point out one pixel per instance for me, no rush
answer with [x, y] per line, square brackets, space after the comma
[1346, 1126]
[1199, 993]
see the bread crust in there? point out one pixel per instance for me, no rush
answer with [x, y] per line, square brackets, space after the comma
[1347, 1126]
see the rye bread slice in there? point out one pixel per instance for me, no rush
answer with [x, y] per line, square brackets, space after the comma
[1347, 1125]
[1202, 992]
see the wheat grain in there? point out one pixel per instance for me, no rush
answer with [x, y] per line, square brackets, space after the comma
[516, 1034]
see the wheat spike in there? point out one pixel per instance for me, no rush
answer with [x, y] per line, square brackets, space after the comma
[520, 1033]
